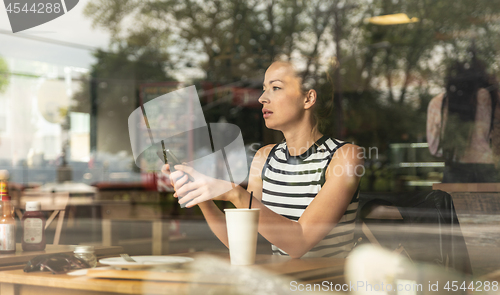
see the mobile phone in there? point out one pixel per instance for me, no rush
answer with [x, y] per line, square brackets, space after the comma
[168, 157]
[172, 160]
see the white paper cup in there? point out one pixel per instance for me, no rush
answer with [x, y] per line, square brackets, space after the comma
[242, 227]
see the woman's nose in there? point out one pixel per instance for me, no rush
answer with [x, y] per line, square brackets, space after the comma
[263, 98]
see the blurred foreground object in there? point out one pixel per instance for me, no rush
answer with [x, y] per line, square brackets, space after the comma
[373, 270]
[7, 221]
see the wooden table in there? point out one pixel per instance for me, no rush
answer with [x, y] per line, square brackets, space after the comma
[19, 259]
[478, 211]
[473, 198]
[269, 272]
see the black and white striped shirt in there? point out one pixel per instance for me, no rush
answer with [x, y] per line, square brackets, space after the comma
[290, 183]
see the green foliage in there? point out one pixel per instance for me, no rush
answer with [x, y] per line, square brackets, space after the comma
[238, 38]
[4, 75]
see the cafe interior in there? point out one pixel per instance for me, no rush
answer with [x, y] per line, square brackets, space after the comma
[70, 90]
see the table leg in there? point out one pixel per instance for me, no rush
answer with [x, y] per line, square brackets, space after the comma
[8, 289]
[106, 232]
[60, 221]
[158, 238]
[94, 222]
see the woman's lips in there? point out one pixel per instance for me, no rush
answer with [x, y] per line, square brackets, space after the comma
[266, 113]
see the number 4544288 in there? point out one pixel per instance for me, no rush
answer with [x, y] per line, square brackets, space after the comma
[475, 286]
[34, 8]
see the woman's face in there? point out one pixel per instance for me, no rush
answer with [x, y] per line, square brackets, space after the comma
[282, 98]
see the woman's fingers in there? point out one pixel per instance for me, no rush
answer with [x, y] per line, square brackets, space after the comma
[165, 169]
[194, 194]
[180, 181]
[187, 169]
[184, 189]
[200, 199]
[188, 197]
[176, 175]
[194, 188]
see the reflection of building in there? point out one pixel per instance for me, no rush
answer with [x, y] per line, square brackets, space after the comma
[235, 95]
[161, 126]
[80, 136]
[33, 109]
[36, 122]
[246, 109]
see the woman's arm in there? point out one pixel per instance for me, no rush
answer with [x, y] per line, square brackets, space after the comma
[324, 212]
[482, 124]
[434, 124]
[216, 220]
[213, 215]
[495, 133]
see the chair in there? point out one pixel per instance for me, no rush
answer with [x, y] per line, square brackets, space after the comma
[55, 202]
[423, 224]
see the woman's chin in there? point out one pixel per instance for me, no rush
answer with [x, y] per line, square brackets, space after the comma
[272, 126]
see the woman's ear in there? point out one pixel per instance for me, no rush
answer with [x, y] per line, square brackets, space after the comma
[310, 99]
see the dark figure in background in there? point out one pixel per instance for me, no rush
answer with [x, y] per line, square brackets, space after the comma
[460, 123]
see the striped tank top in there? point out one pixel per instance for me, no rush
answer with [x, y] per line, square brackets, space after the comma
[290, 183]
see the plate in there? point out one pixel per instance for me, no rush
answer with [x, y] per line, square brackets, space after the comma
[146, 261]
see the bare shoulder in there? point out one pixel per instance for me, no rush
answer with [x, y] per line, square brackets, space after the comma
[348, 160]
[264, 151]
[350, 153]
[259, 160]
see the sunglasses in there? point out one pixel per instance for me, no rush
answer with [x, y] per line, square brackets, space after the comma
[55, 263]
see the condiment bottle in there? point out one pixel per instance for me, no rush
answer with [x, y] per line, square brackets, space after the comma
[7, 221]
[33, 228]
[86, 253]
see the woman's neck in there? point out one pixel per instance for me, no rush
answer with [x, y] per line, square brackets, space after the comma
[299, 141]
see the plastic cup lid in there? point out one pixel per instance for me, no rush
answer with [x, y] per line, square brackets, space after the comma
[84, 249]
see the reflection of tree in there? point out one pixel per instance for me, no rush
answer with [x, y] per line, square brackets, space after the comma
[235, 39]
[111, 93]
[383, 77]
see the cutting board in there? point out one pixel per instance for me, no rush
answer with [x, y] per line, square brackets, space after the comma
[150, 275]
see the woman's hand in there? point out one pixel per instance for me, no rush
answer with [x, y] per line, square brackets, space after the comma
[171, 176]
[201, 189]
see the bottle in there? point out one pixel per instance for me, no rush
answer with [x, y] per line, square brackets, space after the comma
[33, 228]
[86, 253]
[7, 221]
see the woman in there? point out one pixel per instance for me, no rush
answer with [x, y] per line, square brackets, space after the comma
[459, 124]
[305, 187]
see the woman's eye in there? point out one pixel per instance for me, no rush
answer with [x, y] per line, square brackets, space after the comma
[276, 88]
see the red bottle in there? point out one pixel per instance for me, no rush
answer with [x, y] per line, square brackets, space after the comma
[33, 228]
